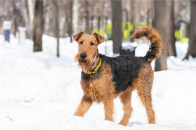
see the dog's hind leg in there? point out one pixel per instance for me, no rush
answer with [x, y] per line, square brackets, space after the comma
[147, 102]
[125, 98]
[84, 106]
[144, 91]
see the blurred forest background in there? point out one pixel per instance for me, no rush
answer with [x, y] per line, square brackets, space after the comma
[175, 21]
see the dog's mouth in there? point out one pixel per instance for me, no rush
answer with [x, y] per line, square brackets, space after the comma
[82, 60]
[86, 63]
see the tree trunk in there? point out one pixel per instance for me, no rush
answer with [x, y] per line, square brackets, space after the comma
[192, 40]
[92, 14]
[101, 8]
[26, 18]
[70, 20]
[54, 18]
[6, 10]
[137, 10]
[87, 17]
[116, 25]
[171, 35]
[149, 12]
[47, 7]
[132, 4]
[66, 24]
[148, 17]
[31, 5]
[38, 26]
[160, 22]
[74, 8]
[56, 10]
[15, 20]
[1, 13]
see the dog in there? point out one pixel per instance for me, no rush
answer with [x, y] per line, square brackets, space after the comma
[105, 78]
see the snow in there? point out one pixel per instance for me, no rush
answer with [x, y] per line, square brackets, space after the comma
[39, 91]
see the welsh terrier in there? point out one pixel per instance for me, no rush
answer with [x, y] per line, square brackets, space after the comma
[105, 78]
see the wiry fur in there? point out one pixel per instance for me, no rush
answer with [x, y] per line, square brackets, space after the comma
[85, 47]
[155, 39]
[124, 70]
[84, 64]
[118, 77]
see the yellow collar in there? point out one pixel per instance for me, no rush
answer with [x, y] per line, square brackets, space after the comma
[92, 72]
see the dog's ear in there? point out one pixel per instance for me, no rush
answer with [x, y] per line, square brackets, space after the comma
[76, 37]
[99, 38]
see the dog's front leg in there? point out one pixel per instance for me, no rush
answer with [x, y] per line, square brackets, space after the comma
[84, 106]
[108, 107]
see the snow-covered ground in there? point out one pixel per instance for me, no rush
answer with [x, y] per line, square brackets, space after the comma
[39, 91]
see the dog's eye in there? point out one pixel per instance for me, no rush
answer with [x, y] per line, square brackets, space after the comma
[92, 44]
[81, 42]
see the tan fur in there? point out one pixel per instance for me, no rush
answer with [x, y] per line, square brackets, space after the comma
[125, 98]
[100, 91]
[144, 84]
[155, 40]
[86, 47]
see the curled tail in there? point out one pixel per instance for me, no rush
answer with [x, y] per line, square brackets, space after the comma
[156, 46]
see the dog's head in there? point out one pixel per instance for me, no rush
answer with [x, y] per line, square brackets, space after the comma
[87, 49]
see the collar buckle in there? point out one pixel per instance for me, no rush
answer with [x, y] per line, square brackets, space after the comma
[93, 72]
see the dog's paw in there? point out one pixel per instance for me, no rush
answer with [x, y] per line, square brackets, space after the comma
[78, 114]
[122, 122]
[109, 119]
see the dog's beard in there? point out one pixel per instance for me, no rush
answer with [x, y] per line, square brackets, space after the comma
[84, 64]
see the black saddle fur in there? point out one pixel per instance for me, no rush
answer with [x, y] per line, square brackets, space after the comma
[124, 70]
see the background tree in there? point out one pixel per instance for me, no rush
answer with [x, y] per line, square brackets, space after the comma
[16, 13]
[132, 5]
[87, 17]
[192, 40]
[76, 19]
[38, 26]
[116, 25]
[6, 9]
[171, 35]
[160, 22]
[31, 10]
[66, 17]
[56, 21]
[26, 18]
[70, 31]
[101, 14]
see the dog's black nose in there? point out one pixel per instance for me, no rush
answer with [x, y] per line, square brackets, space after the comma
[83, 55]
